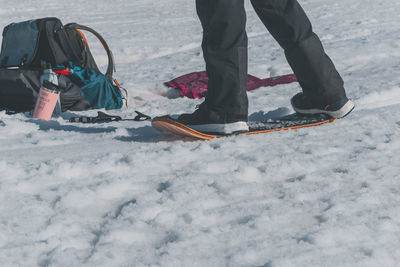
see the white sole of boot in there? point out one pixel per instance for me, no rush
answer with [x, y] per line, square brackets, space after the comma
[226, 128]
[341, 113]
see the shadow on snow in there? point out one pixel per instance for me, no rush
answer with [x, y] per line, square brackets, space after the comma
[145, 134]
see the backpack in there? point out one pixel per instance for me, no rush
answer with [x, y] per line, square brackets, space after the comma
[29, 46]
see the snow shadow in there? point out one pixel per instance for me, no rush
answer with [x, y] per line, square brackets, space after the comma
[148, 134]
[142, 134]
[145, 134]
[270, 115]
[171, 93]
[56, 126]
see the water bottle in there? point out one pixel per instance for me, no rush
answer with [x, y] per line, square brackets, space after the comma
[48, 100]
[49, 75]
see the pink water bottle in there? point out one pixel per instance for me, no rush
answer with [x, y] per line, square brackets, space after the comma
[46, 101]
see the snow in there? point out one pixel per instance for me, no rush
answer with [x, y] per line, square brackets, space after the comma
[121, 194]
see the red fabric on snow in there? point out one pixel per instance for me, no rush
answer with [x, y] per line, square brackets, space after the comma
[195, 84]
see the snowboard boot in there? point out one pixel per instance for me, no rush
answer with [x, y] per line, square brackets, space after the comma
[208, 121]
[302, 105]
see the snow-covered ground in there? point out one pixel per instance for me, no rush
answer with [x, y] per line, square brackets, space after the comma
[121, 194]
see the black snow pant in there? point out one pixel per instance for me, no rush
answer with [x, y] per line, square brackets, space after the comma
[225, 52]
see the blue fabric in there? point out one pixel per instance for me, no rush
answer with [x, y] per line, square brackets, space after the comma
[97, 89]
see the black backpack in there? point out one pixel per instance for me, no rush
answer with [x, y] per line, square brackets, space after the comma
[28, 46]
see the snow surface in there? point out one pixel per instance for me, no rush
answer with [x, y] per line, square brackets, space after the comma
[121, 194]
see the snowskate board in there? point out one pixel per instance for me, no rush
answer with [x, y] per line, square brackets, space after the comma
[289, 122]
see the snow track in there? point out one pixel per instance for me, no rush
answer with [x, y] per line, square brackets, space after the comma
[381, 99]
[121, 194]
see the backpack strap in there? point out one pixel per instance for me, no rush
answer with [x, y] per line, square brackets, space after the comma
[111, 64]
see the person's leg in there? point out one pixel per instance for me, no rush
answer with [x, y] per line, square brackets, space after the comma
[225, 109]
[289, 25]
[225, 53]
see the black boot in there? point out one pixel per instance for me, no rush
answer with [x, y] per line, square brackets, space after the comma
[339, 109]
[208, 121]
